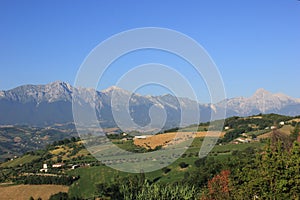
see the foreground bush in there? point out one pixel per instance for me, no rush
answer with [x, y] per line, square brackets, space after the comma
[140, 189]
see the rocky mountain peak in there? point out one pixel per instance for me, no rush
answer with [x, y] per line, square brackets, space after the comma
[59, 85]
[116, 90]
[262, 92]
[35, 104]
[111, 88]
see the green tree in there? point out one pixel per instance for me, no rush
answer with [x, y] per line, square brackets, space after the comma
[183, 165]
[274, 174]
[295, 133]
[59, 196]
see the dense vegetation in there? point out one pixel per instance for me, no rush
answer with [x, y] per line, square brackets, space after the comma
[38, 180]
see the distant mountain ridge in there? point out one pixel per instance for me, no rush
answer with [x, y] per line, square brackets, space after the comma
[52, 103]
[263, 102]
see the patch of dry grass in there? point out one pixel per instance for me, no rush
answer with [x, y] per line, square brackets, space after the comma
[171, 138]
[285, 130]
[24, 192]
[58, 150]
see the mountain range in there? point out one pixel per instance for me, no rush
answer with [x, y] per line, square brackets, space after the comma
[48, 104]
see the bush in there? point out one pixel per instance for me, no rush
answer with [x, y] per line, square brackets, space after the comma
[200, 162]
[183, 165]
[141, 191]
[37, 180]
[59, 196]
[166, 170]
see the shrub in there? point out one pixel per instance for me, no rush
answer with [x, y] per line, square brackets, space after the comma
[166, 170]
[59, 196]
[183, 165]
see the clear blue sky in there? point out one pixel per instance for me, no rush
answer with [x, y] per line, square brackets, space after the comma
[255, 44]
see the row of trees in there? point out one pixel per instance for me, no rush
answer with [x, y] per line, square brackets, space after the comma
[37, 180]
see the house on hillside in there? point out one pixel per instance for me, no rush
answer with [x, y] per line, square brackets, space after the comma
[242, 140]
[58, 165]
[45, 168]
[281, 123]
[75, 166]
[140, 137]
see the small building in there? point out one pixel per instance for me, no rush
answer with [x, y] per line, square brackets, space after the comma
[58, 165]
[75, 166]
[281, 123]
[226, 128]
[273, 127]
[45, 168]
[242, 140]
[140, 137]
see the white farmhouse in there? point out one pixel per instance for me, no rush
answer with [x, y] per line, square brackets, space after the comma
[58, 165]
[45, 168]
[281, 123]
[140, 137]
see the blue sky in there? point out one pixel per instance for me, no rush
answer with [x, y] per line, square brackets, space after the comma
[255, 44]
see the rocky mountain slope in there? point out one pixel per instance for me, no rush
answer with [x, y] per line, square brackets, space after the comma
[263, 102]
[52, 103]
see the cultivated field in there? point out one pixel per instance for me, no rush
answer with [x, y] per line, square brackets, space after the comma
[285, 129]
[22, 160]
[172, 138]
[24, 192]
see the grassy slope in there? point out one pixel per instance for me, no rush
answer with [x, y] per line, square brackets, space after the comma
[286, 129]
[85, 186]
[22, 160]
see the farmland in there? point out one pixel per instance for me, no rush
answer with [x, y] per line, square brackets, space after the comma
[24, 192]
[172, 138]
[84, 180]
[90, 177]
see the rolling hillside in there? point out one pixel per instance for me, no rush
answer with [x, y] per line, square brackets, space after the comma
[89, 172]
